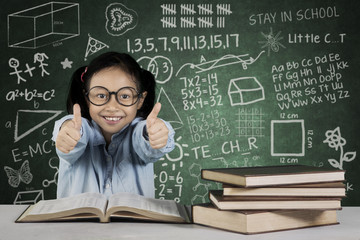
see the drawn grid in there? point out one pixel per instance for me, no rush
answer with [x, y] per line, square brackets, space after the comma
[250, 122]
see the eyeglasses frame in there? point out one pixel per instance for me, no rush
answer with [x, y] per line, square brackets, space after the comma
[139, 95]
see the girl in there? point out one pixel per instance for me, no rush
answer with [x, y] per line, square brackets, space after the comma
[109, 142]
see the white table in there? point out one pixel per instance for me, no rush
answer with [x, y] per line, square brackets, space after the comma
[348, 229]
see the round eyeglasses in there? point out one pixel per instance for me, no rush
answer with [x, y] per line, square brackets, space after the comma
[126, 96]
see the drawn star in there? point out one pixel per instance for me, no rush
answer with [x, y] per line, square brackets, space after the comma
[66, 63]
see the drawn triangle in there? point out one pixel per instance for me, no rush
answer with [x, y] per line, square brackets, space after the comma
[168, 108]
[93, 46]
[27, 121]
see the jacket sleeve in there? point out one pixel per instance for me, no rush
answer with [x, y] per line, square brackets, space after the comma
[142, 146]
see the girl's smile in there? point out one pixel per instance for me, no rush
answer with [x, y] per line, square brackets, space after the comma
[112, 120]
[113, 117]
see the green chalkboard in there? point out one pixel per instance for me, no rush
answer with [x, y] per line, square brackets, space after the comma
[244, 83]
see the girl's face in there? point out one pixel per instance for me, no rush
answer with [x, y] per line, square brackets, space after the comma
[112, 117]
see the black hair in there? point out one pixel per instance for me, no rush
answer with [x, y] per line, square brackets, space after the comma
[80, 81]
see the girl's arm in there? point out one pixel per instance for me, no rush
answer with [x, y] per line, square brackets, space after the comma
[70, 142]
[142, 146]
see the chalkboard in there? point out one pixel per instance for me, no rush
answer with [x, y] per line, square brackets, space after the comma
[244, 83]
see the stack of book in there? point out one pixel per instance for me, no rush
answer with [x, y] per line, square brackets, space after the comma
[272, 198]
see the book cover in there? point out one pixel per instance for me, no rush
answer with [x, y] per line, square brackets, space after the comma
[328, 189]
[271, 202]
[273, 175]
[253, 222]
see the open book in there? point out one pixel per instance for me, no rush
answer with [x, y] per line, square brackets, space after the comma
[96, 205]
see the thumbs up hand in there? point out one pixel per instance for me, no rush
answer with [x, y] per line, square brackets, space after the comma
[69, 134]
[156, 128]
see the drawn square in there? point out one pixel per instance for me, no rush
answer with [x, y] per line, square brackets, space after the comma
[287, 138]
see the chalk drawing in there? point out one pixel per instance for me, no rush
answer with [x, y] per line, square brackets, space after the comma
[43, 25]
[93, 46]
[223, 9]
[29, 69]
[225, 163]
[251, 122]
[40, 58]
[169, 9]
[245, 90]
[53, 163]
[336, 141]
[173, 116]
[205, 9]
[160, 66]
[289, 131]
[66, 63]
[29, 197]
[185, 9]
[272, 42]
[35, 126]
[14, 63]
[226, 60]
[179, 153]
[120, 19]
[16, 176]
[186, 14]
[201, 189]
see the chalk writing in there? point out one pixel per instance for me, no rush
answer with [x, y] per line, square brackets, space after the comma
[310, 81]
[182, 43]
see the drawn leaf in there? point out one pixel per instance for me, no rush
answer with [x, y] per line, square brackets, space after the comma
[334, 163]
[349, 156]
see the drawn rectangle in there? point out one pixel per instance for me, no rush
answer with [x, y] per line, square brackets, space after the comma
[287, 138]
[43, 25]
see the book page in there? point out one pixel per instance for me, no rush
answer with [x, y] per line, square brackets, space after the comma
[165, 207]
[94, 200]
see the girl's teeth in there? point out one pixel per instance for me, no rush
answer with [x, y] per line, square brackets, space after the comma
[112, 118]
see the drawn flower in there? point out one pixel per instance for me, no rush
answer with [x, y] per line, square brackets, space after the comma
[334, 139]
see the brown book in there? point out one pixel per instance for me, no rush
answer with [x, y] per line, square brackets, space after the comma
[96, 206]
[251, 222]
[271, 203]
[273, 175]
[332, 189]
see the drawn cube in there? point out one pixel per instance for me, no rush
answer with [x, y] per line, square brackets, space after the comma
[43, 25]
[245, 90]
